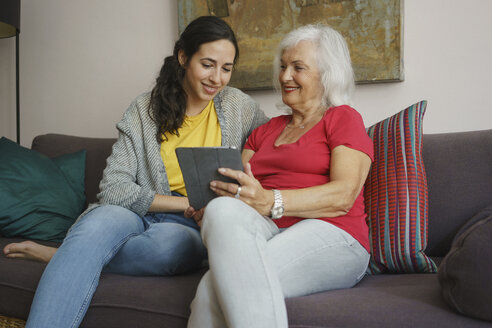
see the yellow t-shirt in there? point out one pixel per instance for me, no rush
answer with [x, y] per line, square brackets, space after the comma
[202, 130]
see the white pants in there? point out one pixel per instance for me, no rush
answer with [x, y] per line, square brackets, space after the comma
[254, 266]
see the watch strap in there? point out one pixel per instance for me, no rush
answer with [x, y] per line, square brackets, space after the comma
[277, 210]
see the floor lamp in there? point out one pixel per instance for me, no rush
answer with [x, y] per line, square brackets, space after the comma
[10, 26]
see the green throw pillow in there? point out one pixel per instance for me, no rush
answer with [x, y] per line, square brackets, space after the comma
[40, 197]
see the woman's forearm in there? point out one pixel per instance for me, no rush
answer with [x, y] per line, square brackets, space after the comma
[348, 172]
[164, 203]
[328, 200]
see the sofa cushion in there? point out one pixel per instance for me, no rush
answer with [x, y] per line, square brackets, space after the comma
[18, 281]
[385, 300]
[119, 301]
[465, 272]
[98, 150]
[41, 197]
[396, 195]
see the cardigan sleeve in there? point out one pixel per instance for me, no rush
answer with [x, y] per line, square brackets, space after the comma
[119, 184]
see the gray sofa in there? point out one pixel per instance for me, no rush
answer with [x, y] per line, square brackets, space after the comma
[459, 172]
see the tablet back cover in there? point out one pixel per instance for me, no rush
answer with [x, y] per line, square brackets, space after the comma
[199, 167]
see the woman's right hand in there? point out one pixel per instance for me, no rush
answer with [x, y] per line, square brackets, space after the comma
[251, 192]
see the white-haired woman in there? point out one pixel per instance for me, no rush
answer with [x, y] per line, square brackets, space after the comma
[295, 224]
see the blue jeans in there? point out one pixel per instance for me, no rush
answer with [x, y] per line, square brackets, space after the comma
[254, 266]
[113, 239]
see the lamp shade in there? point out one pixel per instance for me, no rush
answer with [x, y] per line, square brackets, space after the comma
[9, 18]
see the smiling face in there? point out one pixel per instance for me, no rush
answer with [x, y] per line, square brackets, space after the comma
[207, 72]
[299, 77]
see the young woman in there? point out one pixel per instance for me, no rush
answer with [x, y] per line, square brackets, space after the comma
[139, 227]
[295, 223]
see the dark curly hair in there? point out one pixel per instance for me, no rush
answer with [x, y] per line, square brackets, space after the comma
[168, 98]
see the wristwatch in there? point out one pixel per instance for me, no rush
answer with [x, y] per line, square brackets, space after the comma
[278, 205]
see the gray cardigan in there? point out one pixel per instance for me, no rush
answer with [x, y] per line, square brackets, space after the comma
[135, 172]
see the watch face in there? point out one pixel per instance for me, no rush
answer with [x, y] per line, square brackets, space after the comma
[277, 212]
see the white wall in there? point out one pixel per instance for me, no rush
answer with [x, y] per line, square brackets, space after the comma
[82, 63]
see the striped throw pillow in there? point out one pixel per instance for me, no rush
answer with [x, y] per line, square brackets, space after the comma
[396, 197]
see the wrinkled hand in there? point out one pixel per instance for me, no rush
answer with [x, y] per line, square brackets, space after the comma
[190, 212]
[252, 193]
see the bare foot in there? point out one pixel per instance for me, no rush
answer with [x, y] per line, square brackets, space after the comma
[29, 250]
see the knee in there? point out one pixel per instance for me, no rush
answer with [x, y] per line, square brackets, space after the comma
[174, 239]
[222, 206]
[220, 212]
[106, 219]
[179, 249]
[226, 216]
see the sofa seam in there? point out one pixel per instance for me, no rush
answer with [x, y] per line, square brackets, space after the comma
[135, 308]
[18, 287]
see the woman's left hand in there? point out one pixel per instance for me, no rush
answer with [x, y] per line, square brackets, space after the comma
[197, 215]
[252, 193]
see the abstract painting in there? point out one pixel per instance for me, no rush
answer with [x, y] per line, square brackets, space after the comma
[372, 29]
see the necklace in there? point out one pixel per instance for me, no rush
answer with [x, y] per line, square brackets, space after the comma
[313, 119]
[293, 127]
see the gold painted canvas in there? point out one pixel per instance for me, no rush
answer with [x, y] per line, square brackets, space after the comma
[372, 28]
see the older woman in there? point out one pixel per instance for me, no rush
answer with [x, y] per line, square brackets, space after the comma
[295, 224]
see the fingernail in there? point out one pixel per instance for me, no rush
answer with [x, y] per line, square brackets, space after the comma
[212, 184]
[222, 170]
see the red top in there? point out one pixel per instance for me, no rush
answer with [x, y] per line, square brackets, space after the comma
[306, 162]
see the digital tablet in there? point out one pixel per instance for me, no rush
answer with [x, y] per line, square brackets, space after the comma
[199, 167]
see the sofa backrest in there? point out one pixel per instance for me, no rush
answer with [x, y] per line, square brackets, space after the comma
[459, 176]
[458, 166]
[98, 149]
